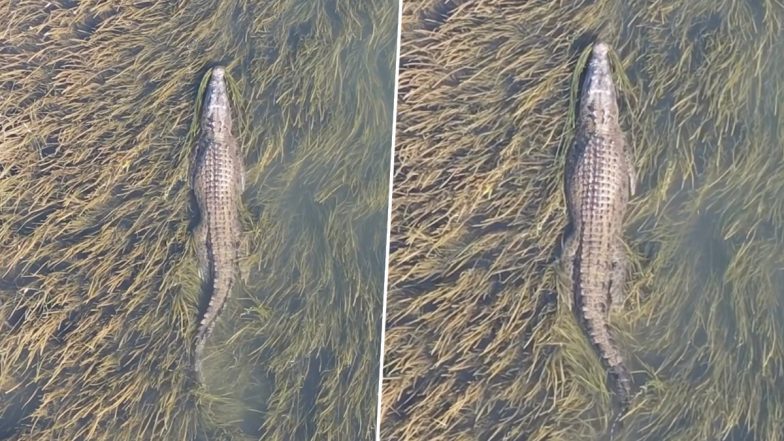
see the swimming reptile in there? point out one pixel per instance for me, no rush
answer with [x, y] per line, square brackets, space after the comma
[217, 185]
[599, 182]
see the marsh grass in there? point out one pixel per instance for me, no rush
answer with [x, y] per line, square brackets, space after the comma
[481, 343]
[98, 283]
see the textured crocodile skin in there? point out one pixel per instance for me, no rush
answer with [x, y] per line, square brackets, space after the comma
[599, 181]
[217, 184]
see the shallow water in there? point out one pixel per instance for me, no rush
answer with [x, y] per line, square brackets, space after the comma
[478, 214]
[99, 288]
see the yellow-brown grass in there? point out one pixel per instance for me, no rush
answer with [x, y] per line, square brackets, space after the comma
[480, 341]
[98, 284]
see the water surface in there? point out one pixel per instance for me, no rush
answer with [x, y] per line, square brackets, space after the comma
[98, 286]
[480, 336]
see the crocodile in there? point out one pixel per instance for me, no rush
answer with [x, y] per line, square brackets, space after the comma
[599, 182]
[217, 186]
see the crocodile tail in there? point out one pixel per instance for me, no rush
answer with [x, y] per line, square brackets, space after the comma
[622, 385]
[201, 341]
[615, 425]
[611, 356]
[197, 353]
[621, 380]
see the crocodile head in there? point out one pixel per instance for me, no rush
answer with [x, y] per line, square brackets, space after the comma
[216, 111]
[598, 91]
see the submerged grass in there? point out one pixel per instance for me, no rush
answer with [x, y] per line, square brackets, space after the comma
[481, 343]
[98, 284]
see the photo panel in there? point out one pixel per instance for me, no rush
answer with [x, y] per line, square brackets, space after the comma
[586, 222]
[193, 218]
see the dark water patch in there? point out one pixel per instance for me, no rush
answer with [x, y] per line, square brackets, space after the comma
[698, 36]
[322, 361]
[435, 14]
[415, 393]
[29, 222]
[297, 33]
[741, 432]
[18, 406]
[9, 170]
[330, 8]
[66, 4]
[16, 318]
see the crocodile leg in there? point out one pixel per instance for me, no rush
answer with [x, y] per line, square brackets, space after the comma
[630, 169]
[568, 254]
[566, 262]
[617, 276]
[200, 239]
